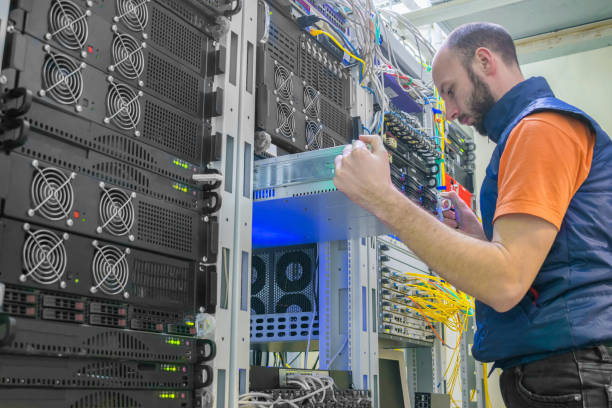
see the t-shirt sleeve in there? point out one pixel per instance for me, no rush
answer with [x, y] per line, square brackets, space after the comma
[547, 158]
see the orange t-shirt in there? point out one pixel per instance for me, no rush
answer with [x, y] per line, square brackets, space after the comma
[547, 158]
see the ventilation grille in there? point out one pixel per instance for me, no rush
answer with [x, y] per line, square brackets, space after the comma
[178, 134]
[109, 370]
[334, 118]
[154, 280]
[123, 106]
[115, 340]
[52, 193]
[293, 274]
[99, 399]
[282, 48]
[173, 82]
[62, 79]
[285, 120]
[116, 211]
[176, 37]
[117, 172]
[110, 270]
[187, 14]
[44, 256]
[164, 227]
[128, 56]
[318, 76]
[125, 148]
[314, 135]
[283, 82]
[68, 24]
[312, 102]
[133, 13]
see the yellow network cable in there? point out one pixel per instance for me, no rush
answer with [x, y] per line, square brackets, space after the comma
[316, 33]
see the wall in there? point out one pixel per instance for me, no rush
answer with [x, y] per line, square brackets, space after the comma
[582, 79]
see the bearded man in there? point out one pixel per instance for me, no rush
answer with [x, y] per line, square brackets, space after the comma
[540, 264]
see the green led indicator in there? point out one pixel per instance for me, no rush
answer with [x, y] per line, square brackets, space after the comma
[76, 280]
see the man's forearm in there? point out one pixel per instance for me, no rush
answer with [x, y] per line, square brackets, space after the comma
[480, 268]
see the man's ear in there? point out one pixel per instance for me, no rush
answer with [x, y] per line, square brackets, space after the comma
[485, 61]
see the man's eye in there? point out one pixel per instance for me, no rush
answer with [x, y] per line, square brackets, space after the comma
[450, 92]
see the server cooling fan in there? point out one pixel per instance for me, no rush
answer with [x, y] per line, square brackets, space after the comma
[128, 56]
[283, 82]
[294, 272]
[68, 24]
[110, 270]
[312, 102]
[51, 193]
[133, 13]
[285, 120]
[62, 79]
[314, 135]
[123, 106]
[116, 211]
[44, 256]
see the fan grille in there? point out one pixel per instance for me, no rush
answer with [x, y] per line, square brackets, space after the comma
[128, 56]
[51, 192]
[44, 256]
[110, 270]
[133, 13]
[116, 211]
[122, 106]
[283, 82]
[314, 135]
[285, 120]
[62, 79]
[312, 102]
[68, 24]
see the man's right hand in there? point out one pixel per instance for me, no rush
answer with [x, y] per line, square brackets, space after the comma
[462, 217]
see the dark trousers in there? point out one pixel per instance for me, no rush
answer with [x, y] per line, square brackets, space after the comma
[581, 378]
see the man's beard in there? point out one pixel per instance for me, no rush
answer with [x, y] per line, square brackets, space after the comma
[480, 102]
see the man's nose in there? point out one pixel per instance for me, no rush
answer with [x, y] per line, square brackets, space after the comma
[452, 111]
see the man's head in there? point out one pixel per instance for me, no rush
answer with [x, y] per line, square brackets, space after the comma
[473, 69]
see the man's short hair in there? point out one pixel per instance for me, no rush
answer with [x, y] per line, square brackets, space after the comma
[466, 39]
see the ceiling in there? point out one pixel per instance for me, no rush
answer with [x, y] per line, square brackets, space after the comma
[543, 28]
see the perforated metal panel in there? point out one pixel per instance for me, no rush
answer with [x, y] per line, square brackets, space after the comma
[283, 327]
[282, 280]
[178, 39]
[173, 131]
[181, 86]
[164, 227]
[156, 280]
[334, 118]
[282, 47]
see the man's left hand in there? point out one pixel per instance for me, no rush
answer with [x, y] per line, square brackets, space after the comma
[364, 175]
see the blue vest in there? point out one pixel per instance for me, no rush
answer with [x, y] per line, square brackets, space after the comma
[574, 306]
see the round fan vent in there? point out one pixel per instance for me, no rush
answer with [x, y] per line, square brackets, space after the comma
[62, 79]
[51, 192]
[68, 24]
[283, 82]
[312, 102]
[285, 120]
[110, 270]
[257, 306]
[314, 135]
[293, 271]
[116, 211]
[258, 275]
[128, 57]
[123, 106]
[133, 13]
[44, 256]
[293, 303]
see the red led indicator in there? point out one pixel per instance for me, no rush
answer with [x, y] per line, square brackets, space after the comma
[76, 214]
[90, 49]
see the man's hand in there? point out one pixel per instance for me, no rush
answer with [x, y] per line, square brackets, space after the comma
[362, 175]
[462, 217]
